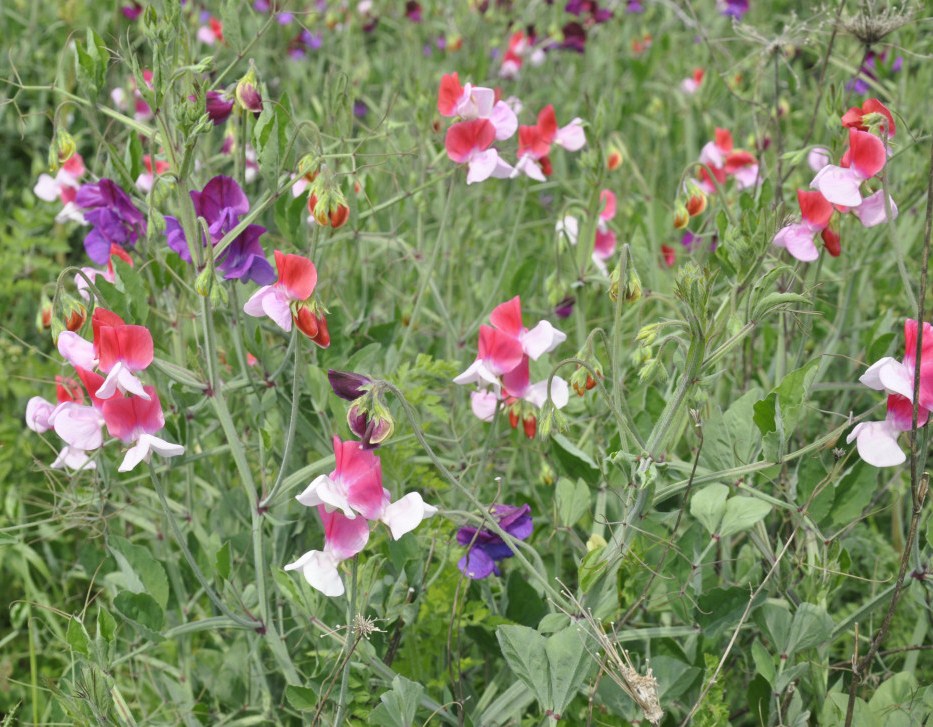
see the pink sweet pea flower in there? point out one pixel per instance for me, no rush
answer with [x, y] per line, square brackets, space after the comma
[897, 377]
[841, 184]
[817, 158]
[282, 301]
[855, 118]
[877, 441]
[467, 102]
[798, 238]
[122, 351]
[469, 142]
[692, 84]
[136, 419]
[536, 342]
[353, 489]
[517, 385]
[145, 180]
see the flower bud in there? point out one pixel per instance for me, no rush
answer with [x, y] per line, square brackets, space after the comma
[373, 427]
[681, 216]
[75, 313]
[696, 203]
[613, 160]
[219, 106]
[247, 92]
[306, 322]
[204, 282]
[322, 338]
[594, 542]
[219, 296]
[831, 240]
[65, 146]
[348, 385]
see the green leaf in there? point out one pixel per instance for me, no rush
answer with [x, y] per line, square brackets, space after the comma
[554, 668]
[399, 705]
[764, 662]
[141, 572]
[77, 636]
[129, 282]
[222, 561]
[106, 624]
[572, 500]
[91, 62]
[741, 514]
[720, 609]
[141, 610]
[301, 698]
[811, 626]
[708, 505]
[780, 411]
[591, 568]
[728, 440]
[230, 14]
[573, 460]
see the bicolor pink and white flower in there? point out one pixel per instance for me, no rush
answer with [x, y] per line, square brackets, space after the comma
[135, 420]
[798, 238]
[877, 441]
[865, 158]
[79, 426]
[470, 143]
[348, 499]
[605, 241]
[64, 188]
[146, 180]
[287, 300]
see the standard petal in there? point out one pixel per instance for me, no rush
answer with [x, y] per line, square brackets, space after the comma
[38, 411]
[405, 514]
[78, 425]
[571, 136]
[504, 120]
[342, 536]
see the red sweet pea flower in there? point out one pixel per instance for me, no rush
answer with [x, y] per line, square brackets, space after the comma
[854, 118]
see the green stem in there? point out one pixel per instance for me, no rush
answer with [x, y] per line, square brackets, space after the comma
[349, 645]
[290, 435]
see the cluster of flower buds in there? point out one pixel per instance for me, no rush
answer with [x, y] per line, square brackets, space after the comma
[327, 204]
[838, 189]
[501, 369]
[368, 416]
[692, 204]
[108, 367]
[582, 379]
[288, 300]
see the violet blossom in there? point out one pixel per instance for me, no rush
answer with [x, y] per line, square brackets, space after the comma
[114, 218]
[486, 547]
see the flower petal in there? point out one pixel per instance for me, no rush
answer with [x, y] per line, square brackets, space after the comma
[405, 514]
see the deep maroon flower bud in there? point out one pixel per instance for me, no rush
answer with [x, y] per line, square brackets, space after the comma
[247, 92]
[372, 428]
[348, 385]
[219, 106]
[565, 307]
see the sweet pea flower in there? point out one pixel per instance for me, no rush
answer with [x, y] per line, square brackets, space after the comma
[841, 184]
[221, 203]
[692, 84]
[286, 301]
[475, 102]
[486, 548]
[503, 345]
[797, 238]
[469, 142]
[872, 115]
[219, 106]
[817, 158]
[79, 426]
[732, 8]
[535, 142]
[877, 441]
[123, 350]
[109, 273]
[136, 419]
[211, 33]
[346, 500]
[64, 186]
[114, 217]
[146, 180]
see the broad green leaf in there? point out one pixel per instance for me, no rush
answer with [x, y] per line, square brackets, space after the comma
[728, 438]
[106, 625]
[574, 461]
[719, 609]
[764, 662]
[141, 572]
[572, 500]
[708, 505]
[569, 663]
[591, 568]
[399, 704]
[524, 652]
[741, 514]
[77, 636]
[301, 698]
[811, 626]
[142, 610]
[222, 561]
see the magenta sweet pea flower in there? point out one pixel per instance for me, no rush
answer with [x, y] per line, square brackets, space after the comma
[487, 549]
[469, 142]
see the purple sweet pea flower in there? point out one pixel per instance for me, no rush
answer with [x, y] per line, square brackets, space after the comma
[574, 37]
[114, 217]
[221, 203]
[133, 11]
[348, 385]
[565, 307]
[488, 548]
[732, 8]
